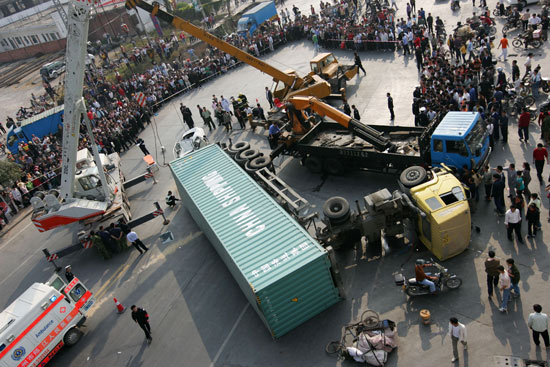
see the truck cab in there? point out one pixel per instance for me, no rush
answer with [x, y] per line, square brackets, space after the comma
[460, 139]
[445, 228]
[87, 180]
[255, 17]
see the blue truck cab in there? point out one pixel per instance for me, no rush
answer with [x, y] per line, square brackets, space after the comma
[255, 17]
[460, 139]
[40, 125]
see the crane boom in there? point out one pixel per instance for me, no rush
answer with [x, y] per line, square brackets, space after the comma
[293, 81]
[77, 35]
[365, 132]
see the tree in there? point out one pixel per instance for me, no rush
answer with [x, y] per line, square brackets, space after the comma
[9, 173]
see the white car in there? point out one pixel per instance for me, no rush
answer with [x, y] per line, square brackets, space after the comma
[521, 3]
[191, 140]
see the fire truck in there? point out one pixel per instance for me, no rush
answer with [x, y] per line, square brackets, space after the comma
[46, 317]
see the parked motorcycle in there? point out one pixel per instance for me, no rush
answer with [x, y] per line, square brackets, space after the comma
[511, 25]
[497, 11]
[444, 279]
[523, 41]
[517, 102]
[455, 5]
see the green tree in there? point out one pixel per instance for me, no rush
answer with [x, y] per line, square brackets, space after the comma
[9, 173]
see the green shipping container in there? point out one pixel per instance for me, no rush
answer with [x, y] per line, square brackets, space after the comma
[283, 272]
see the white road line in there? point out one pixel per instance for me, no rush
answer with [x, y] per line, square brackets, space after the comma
[15, 236]
[229, 335]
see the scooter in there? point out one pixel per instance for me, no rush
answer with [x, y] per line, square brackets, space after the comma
[444, 279]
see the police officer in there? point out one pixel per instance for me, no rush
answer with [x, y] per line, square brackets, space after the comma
[69, 273]
[171, 200]
[141, 317]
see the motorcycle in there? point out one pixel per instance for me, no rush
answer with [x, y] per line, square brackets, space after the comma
[498, 13]
[444, 279]
[524, 41]
[545, 85]
[511, 24]
[455, 5]
[517, 102]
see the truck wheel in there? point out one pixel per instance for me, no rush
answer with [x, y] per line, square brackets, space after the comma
[72, 337]
[238, 147]
[413, 176]
[336, 209]
[39, 194]
[259, 163]
[333, 167]
[249, 154]
[314, 164]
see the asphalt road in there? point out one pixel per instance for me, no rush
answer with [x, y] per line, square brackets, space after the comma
[199, 316]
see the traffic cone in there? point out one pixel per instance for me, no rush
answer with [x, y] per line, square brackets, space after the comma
[120, 308]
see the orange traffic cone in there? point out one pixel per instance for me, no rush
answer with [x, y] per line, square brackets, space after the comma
[120, 308]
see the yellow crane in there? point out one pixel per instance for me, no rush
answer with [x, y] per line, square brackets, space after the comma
[287, 83]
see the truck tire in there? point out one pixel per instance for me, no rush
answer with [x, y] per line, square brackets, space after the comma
[413, 176]
[259, 163]
[336, 209]
[333, 167]
[249, 154]
[238, 147]
[314, 164]
[72, 337]
[39, 194]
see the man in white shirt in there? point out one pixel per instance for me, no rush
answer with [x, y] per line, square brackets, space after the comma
[457, 332]
[133, 238]
[538, 323]
[512, 220]
[505, 286]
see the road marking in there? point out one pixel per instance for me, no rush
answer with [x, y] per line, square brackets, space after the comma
[229, 335]
[15, 236]
[120, 272]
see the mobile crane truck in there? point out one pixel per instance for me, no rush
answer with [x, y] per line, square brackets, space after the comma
[456, 140]
[92, 189]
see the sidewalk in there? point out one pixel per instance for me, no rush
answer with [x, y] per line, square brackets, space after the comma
[15, 220]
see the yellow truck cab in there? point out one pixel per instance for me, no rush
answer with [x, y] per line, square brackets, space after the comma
[327, 67]
[446, 228]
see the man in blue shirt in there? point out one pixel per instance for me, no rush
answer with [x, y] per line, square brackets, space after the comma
[274, 133]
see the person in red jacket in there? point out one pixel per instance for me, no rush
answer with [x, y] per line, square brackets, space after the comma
[523, 125]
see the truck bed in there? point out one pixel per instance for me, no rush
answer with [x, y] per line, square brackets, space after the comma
[333, 135]
[331, 140]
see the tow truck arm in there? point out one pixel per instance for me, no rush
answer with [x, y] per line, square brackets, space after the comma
[367, 133]
[293, 81]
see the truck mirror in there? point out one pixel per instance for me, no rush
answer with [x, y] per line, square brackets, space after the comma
[478, 150]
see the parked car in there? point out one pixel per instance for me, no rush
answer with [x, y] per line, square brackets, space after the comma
[520, 3]
[52, 70]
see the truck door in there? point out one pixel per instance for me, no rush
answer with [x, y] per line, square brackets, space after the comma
[79, 295]
[456, 154]
[75, 292]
